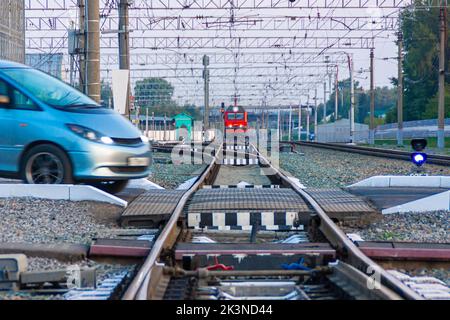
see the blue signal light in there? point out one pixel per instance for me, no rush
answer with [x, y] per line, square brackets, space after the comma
[419, 158]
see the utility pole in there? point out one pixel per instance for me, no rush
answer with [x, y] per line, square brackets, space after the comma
[81, 45]
[307, 119]
[124, 46]
[93, 49]
[280, 138]
[315, 115]
[442, 65]
[290, 122]
[336, 96]
[400, 91]
[372, 100]
[325, 101]
[300, 122]
[352, 99]
[206, 93]
[281, 124]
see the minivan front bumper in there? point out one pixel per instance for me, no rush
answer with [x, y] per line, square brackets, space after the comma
[110, 162]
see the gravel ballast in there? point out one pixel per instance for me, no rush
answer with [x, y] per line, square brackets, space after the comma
[322, 168]
[441, 274]
[169, 175]
[417, 227]
[56, 221]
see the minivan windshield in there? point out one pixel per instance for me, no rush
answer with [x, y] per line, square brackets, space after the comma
[48, 89]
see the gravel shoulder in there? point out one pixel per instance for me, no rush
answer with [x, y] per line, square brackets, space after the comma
[417, 227]
[56, 221]
[322, 168]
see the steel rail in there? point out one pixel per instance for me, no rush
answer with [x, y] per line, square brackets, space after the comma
[376, 152]
[339, 239]
[138, 288]
[390, 287]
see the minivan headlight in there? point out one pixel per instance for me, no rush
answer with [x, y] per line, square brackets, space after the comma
[89, 134]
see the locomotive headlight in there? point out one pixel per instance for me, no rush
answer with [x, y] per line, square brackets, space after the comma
[230, 126]
[241, 126]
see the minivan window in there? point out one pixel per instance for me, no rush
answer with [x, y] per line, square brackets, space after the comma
[3, 89]
[20, 101]
[17, 99]
[48, 89]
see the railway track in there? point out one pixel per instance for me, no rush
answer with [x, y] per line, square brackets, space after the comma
[376, 152]
[209, 250]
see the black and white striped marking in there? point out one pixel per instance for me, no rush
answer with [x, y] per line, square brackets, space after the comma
[248, 186]
[239, 162]
[244, 220]
[240, 147]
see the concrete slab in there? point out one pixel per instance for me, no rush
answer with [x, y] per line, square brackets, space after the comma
[143, 183]
[89, 193]
[297, 182]
[54, 192]
[405, 181]
[440, 201]
[59, 192]
[9, 181]
[445, 182]
[415, 181]
[187, 184]
[387, 197]
[376, 181]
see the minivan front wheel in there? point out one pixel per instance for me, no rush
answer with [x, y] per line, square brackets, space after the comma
[46, 164]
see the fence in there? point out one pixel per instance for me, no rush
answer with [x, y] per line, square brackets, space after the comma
[340, 132]
[172, 136]
[412, 129]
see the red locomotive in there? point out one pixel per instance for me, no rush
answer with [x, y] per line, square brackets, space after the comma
[236, 119]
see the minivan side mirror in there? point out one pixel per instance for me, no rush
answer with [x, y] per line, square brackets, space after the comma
[4, 100]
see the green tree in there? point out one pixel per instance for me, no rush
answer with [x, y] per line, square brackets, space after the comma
[431, 109]
[156, 95]
[154, 92]
[420, 28]
[385, 99]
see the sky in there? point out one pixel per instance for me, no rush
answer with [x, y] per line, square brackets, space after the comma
[385, 46]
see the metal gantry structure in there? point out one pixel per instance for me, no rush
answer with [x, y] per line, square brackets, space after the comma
[262, 53]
